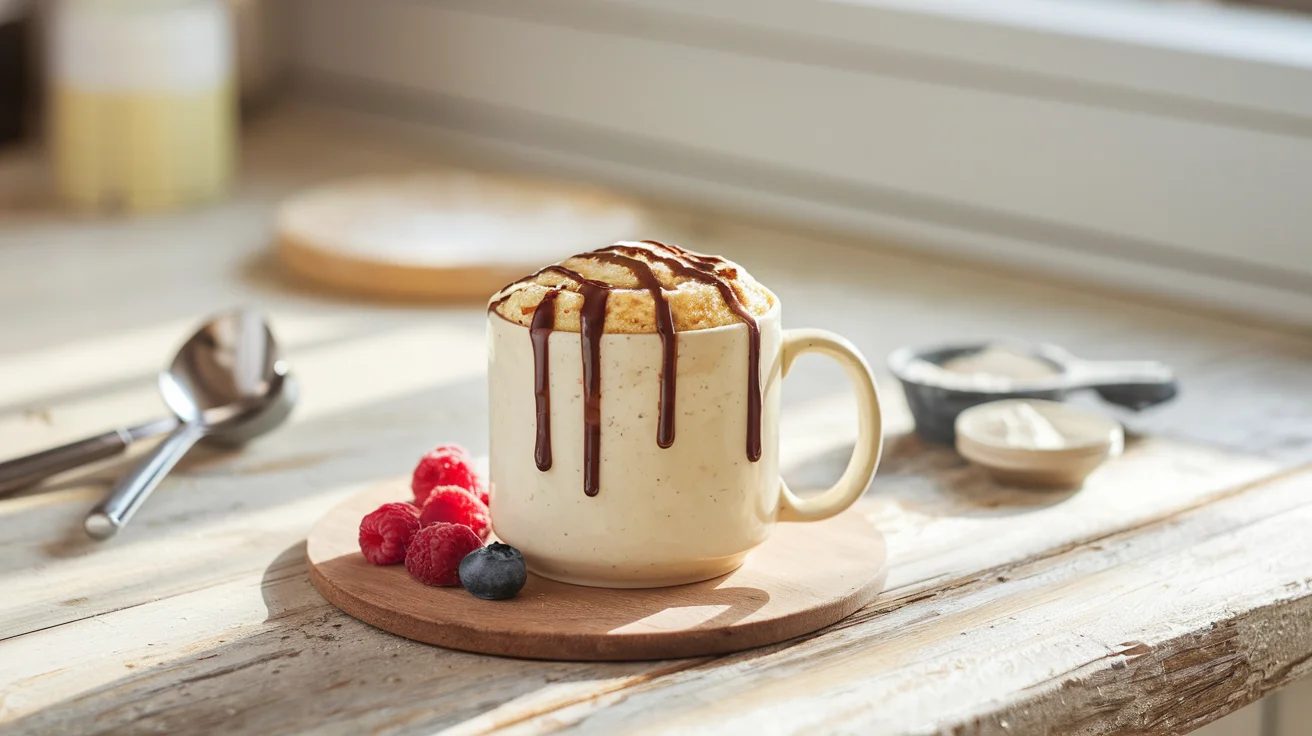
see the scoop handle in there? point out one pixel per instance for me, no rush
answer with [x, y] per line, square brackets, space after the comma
[1096, 373]
[32, 469]
[132, 490]
[1133, 384]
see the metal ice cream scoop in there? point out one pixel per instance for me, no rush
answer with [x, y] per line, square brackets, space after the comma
[227, 385]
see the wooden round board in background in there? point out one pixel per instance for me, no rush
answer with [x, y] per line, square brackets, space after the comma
[442, 235]
[805, 577]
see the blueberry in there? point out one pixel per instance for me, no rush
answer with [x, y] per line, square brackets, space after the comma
[494, 573]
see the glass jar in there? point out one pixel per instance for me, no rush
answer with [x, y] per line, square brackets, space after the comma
[142, 105]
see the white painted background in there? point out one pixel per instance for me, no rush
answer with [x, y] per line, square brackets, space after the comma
[1165, 147]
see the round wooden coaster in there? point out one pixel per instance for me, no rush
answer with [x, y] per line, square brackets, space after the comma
[449, 235]
[805, 577]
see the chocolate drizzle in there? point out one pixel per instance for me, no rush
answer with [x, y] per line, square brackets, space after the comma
[593, 323]
[544, 321]
[637, 258]
[703, 268]
[669, 341]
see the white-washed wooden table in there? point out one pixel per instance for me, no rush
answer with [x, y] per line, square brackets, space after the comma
[1176, 587]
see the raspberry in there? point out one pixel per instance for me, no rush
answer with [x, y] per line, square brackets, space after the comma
[446, 465]
[436, 551]
[385, 533]
[455, 505]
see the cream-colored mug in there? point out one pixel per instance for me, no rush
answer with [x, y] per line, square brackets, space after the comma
[660, 515]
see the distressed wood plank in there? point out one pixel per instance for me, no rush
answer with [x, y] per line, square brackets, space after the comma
[180, 623]
[265, 654]
[1154, 630]
[1100, 625]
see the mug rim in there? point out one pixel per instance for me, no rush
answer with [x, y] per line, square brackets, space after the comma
[771, 313]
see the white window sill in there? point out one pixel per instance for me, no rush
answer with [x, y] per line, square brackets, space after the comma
[1157, 145]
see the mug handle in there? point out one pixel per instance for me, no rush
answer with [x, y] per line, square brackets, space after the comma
[870, 435]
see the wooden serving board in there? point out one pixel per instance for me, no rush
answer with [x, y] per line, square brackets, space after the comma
[805, 577]
[442, 235]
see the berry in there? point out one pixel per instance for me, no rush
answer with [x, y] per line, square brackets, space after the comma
[455, 505]
[446, 465]
[386, 532]
[436, 551]
[494, 573]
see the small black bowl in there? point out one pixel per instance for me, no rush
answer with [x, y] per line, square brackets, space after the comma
[936, 397]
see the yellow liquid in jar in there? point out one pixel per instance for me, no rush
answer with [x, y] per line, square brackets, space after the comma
[142, 151]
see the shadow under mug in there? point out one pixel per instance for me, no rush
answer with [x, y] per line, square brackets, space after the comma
[661, 516]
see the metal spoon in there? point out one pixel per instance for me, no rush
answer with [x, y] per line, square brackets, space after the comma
[32, 469]
[227, 385]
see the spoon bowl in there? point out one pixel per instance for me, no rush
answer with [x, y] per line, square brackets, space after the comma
[226, 385]
[229, 379]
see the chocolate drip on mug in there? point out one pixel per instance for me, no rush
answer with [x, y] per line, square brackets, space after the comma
[669, 341]
[544, 321]
[592, 315]
[702, 268]
[593, 323]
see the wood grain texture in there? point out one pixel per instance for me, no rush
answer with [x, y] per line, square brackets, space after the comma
[803, 578]
[1111, 636]
[441, 235]
[1003, 609]
[389, 280]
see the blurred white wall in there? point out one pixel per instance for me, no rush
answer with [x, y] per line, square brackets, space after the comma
[1166, 147]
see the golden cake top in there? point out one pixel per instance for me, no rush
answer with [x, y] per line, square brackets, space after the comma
[702, 291]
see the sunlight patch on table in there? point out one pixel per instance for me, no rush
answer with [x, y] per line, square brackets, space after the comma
[678, 618]
[334, 377]
[104, 572]
[35, 376]
[370, 370]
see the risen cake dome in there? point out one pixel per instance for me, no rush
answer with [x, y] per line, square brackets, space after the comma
[692, 284]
